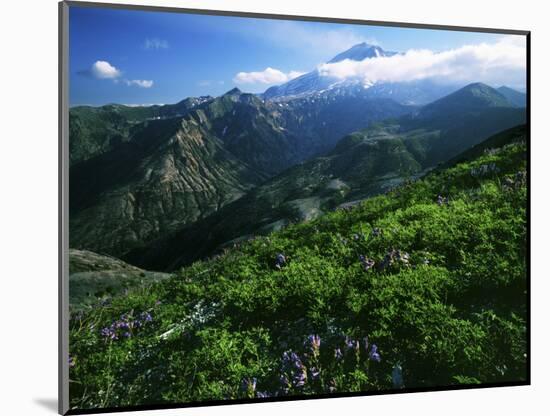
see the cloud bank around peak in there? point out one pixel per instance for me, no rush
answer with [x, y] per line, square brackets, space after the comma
[266, 77]
[500, 63]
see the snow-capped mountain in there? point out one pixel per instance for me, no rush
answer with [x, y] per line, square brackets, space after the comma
[360, 52]
[314, 83]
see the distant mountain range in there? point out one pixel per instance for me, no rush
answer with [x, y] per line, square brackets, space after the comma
[362, 164]
[222, 168]
[139, 173]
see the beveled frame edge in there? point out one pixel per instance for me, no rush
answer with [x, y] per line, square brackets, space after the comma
[63, 208]
[256, 15]
[63, 174]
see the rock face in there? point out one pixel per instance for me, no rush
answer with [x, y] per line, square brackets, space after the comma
[171, 173]
[93, 277]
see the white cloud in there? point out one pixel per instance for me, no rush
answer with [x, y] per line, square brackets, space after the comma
[267, 76]
[143, 83]
[155, 43]
[503, 62]
[104, 70]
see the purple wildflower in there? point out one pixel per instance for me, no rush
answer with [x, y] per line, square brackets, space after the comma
[338, 354]
[146, 316]
[249, 385]
[373, 354]
[349, 343]
[280, 261]
[315, 373]
[376, 232]
[314, 342]
[300, 378]
[367, 263]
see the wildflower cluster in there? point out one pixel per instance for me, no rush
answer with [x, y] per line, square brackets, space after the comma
[366, 262]
[442, 200]
[249, 386]
[126, 326]
[484, 170]
[293, 372]
[517, 181]
[394, 257]
[376, 232]
[280, 261]
[317, 369]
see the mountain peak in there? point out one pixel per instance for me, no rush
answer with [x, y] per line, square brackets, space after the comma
[361, 51]
[473, 97]
[234, 91]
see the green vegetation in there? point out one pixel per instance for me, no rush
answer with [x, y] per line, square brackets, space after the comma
[432, 275]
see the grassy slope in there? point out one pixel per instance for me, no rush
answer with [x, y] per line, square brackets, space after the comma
[453, 313]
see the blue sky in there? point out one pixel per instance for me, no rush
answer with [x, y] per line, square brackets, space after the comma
[138, 57]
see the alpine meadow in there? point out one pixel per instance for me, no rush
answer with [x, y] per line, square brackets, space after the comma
[265, 208]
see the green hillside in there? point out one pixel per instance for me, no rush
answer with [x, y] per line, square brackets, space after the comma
[423, 286]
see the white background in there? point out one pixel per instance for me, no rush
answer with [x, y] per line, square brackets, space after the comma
[28, 205]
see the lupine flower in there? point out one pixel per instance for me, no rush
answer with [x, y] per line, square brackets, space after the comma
[350, 344]
[249, 385]
[338, 354]
[376, 232]
[394, 256]
[125, 326]
[367, 263]
[146, 316]
[301, 378]
[373, 354]
[314, 342]
[315, 373]
[292, 365]
[280, 261]
[283, 379]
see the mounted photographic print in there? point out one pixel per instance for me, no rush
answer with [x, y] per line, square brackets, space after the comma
[263, 207]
